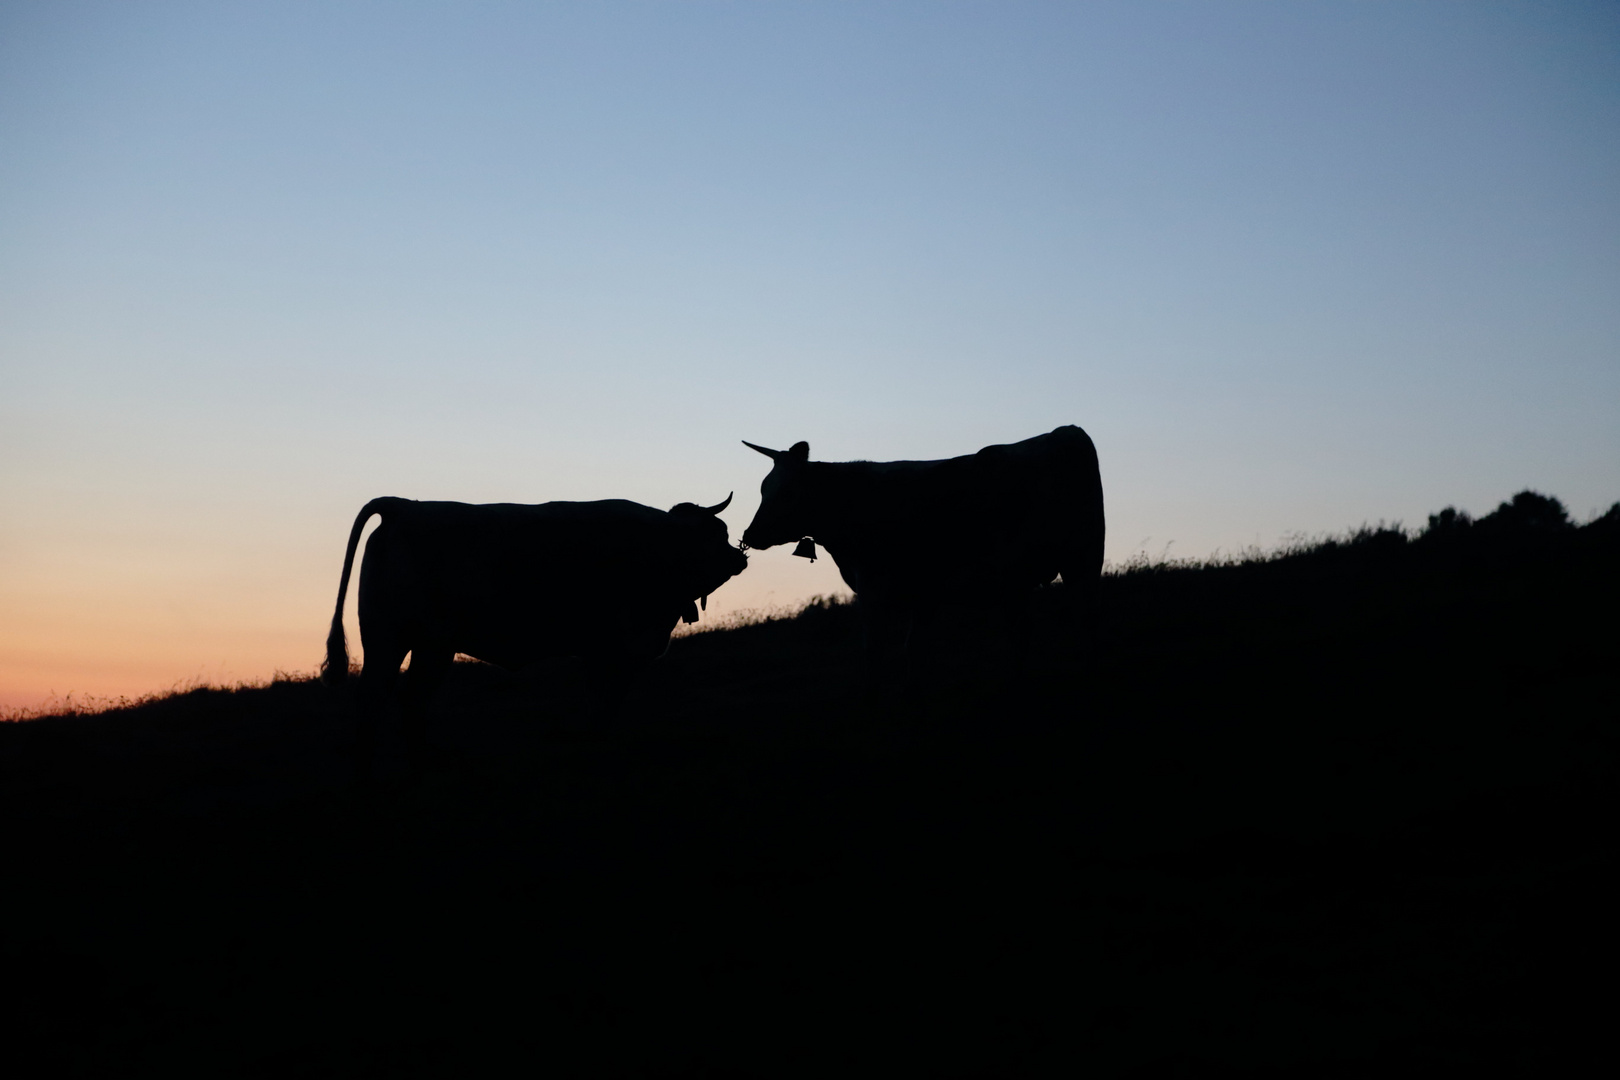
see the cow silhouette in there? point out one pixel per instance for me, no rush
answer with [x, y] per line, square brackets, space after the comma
[512, 583]
[914, 538]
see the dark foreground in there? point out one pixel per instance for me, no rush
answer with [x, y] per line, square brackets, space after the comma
[1344, 813]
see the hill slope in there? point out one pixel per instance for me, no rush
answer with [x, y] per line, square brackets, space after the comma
[1333, 811]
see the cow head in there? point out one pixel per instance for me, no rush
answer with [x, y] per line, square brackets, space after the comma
[783, 500]
[720, 559]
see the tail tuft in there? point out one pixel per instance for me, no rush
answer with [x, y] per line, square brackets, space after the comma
[335, 670]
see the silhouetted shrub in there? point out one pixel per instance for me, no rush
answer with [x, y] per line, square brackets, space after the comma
[1608, 523]
[1447, 523]
[1528, 511]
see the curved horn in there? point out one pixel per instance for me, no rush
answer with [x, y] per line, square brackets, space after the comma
[772, 454]
[719, 506]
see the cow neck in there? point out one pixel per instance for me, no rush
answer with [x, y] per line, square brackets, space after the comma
[833, 523]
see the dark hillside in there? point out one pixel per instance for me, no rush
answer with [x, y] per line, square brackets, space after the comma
[1345, 810]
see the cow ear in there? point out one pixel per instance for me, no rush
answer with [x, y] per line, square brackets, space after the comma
[798, 453]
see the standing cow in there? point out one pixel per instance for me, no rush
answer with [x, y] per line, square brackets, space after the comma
[510, 584]
[912, 538]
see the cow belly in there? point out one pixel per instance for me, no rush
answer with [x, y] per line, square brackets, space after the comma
[642, 638]
[959, 574]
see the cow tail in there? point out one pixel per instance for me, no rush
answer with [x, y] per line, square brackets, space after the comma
[335, 670]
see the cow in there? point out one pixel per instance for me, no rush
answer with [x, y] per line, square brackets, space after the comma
[511, 583]
[913, 538]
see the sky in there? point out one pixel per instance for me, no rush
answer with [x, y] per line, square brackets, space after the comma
[1294, 267]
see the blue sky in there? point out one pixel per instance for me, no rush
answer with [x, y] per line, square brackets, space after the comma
[1294, 267]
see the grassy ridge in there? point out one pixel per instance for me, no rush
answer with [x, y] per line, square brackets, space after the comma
[1338, 810]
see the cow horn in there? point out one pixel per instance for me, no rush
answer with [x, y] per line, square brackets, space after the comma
[719, 506]
[772, 454]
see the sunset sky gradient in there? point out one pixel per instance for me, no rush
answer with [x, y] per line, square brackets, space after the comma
[1294, 267]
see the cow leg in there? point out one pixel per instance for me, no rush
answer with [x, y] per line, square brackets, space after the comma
[429, 666]
[1018, 623]
[1082, 575]
[608, 680]
[1082, 586]
[887, 636]
[871, 646]
[921, 645]
[379, 680]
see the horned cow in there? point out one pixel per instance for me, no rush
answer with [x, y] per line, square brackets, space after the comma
[912, 538]
[512, 583]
